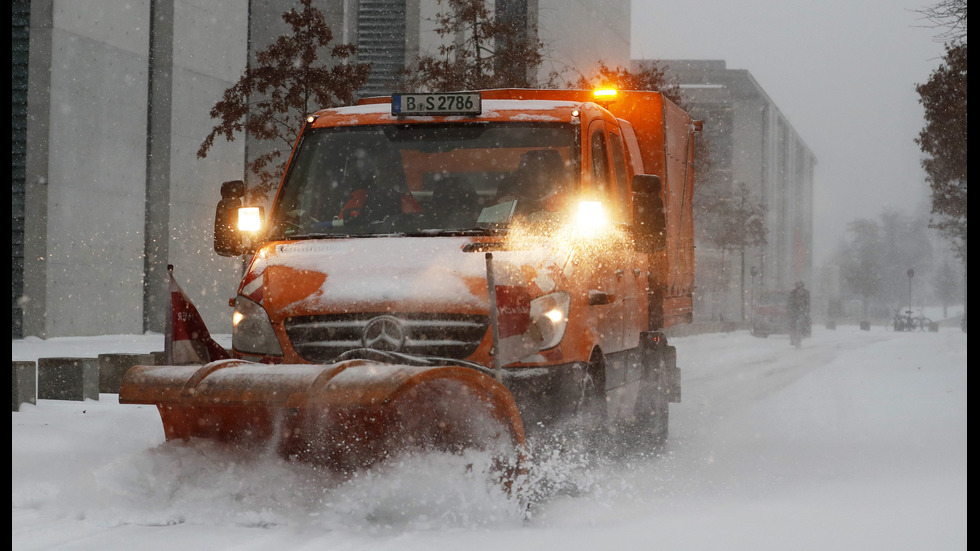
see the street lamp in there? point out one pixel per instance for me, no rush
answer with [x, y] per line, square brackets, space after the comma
[753, 271]
[741, 283]
[911, 273]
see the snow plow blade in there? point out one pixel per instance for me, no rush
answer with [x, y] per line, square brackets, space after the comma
[348, 414]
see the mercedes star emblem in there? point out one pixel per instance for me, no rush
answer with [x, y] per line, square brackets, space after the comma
[384, 333]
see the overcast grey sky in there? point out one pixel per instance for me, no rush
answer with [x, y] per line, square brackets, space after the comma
[843, 72]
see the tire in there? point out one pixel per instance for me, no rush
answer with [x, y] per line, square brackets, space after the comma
[590, 409]
[652, 410]
[652, 417]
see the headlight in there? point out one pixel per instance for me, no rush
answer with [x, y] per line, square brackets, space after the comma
[252, 331]
[591, 219]
[549, 314]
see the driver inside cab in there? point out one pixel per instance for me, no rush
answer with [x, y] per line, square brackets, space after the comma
[377, 181]
[538, 184]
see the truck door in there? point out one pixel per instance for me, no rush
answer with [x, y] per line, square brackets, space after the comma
[609, 270]
[633, 264]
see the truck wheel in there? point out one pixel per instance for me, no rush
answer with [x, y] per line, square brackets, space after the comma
[590, 411]
[652, 413]
[652, 416]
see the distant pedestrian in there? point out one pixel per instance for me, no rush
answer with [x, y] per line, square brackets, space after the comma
[798, 309]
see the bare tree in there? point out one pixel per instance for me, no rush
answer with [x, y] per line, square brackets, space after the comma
[877, 254]
[480, 49]
[861, 261]
[739, 222]
[289, 81]
[904, 243]
[949, 15]
[736, 223]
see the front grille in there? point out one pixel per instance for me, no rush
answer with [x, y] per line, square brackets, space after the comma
[322, 338]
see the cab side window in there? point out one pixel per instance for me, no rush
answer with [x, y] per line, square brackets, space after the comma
[600, 164]
[619, 164]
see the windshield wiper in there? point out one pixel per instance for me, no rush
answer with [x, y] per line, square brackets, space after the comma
[437, 232]
[318, 236]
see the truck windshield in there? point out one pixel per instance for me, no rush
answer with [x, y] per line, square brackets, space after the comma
[421, 178]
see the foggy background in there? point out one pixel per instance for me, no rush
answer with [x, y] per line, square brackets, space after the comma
[842, 72]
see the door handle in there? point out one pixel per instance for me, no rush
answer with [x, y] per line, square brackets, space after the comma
[597, 298]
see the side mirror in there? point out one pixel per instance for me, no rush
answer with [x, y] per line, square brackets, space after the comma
[649, 217]
[227, 238]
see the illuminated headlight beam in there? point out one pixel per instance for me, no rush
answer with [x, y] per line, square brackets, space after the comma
[591, 217]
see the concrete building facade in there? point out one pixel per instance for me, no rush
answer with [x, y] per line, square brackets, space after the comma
[118, 97]
[750, 142]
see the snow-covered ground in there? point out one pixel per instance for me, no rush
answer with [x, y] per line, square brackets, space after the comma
[856, 442]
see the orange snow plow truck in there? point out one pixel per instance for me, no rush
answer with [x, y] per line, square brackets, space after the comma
[452, 271]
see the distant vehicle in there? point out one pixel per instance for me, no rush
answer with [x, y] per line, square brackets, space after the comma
[769, 315]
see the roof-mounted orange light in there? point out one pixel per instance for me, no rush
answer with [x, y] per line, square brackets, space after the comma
[604, 94]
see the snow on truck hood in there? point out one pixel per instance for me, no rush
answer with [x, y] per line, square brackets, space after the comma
[382, 273]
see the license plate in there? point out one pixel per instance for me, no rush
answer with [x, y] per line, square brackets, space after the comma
[460, 103]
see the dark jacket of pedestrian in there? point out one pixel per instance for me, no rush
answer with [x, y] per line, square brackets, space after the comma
[798, 309]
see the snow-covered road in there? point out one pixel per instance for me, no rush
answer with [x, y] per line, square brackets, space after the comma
[858, 441]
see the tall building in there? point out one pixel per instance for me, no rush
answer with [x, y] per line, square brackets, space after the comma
[20, 49]
[750, 142]
[386, 38]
